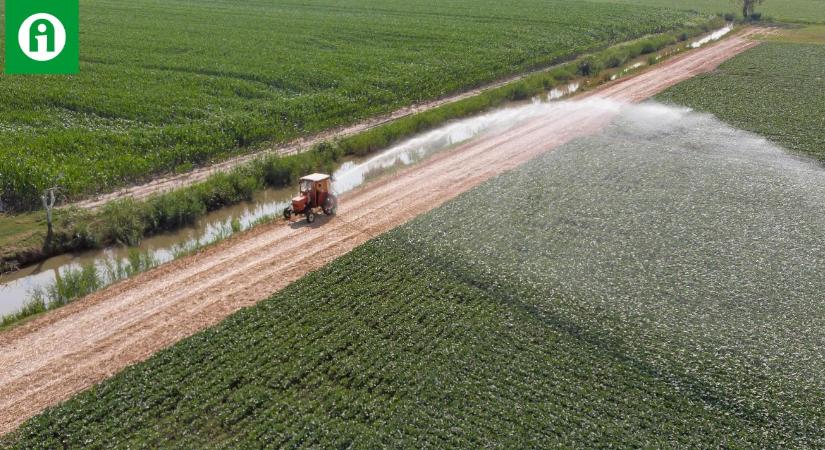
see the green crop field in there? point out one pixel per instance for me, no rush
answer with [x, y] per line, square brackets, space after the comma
[776, 90]
[808, 11]
[662, 289]
[165, 85]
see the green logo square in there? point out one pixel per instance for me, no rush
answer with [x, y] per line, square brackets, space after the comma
[42, 36]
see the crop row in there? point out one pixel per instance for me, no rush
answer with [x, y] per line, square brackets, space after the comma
[380, 349]
[776, 90]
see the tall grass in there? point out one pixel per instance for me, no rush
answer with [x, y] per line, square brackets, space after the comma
[73, 283]
[77, 282]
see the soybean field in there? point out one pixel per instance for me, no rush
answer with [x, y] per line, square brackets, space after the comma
[657, 285]
[168, 85]
[776, 90]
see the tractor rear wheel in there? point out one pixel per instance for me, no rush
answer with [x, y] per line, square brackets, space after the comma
[288, 212]
[310, 216]
[330, 206]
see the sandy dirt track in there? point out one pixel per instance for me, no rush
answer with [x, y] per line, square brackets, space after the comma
[68, 350]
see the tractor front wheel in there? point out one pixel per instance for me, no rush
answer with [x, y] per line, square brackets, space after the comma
[310, 216]
[288, 212]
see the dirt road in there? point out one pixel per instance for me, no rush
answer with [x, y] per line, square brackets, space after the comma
[49, 359]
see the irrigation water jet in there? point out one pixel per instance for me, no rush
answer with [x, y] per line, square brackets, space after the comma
[668, 226]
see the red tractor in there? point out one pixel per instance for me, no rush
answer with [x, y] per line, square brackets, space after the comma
[315, 194]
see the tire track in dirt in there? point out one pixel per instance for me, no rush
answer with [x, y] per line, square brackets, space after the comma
[68, 350]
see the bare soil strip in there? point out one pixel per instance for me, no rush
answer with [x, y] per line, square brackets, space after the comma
[70, 349]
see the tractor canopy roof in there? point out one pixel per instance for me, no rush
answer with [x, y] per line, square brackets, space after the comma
[315, 177]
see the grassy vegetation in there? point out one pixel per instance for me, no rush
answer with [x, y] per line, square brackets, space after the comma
[127, 222]
[77, 282]
[182, 83]
[72, 284]
[604, 314]
[776, 90]
[805, 11]
[21, 238]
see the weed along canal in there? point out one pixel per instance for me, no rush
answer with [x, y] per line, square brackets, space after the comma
[56, 278]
